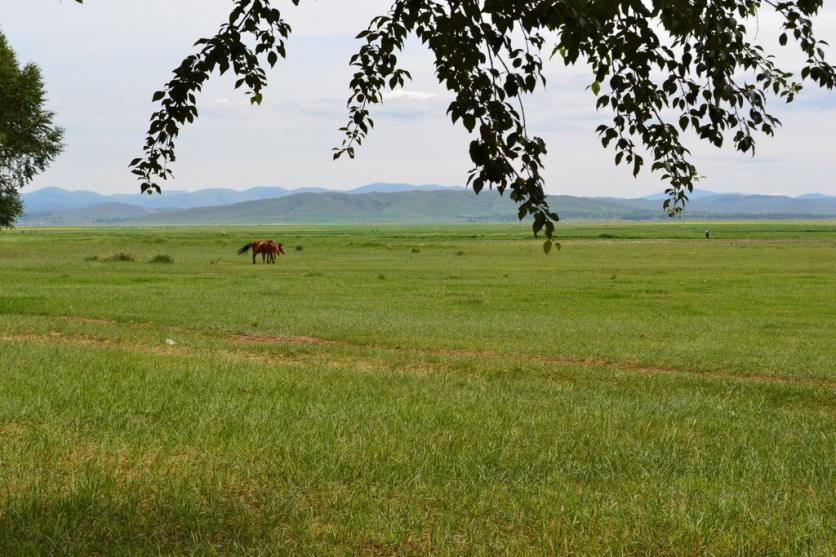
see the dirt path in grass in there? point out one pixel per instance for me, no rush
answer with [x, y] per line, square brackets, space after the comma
[559, 360]
[236, 342]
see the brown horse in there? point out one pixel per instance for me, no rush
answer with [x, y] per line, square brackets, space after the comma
[267, 248]
[275, 250]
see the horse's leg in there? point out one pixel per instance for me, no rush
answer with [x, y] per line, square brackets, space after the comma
[254, 254]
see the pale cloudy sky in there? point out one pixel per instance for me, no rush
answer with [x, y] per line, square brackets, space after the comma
[102, 61]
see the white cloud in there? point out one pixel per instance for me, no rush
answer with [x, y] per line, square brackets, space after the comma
[409, 95]
[222, 107]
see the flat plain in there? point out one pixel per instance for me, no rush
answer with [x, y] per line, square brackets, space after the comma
[446, 390]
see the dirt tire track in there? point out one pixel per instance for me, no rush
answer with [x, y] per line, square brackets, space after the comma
[237, 340]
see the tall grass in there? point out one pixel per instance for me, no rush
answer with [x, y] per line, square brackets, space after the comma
[648, 396]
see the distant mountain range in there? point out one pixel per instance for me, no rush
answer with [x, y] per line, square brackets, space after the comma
[382, 203]
[48, 200]
[696, 194]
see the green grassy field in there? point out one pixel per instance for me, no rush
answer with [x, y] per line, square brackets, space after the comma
[420, 390]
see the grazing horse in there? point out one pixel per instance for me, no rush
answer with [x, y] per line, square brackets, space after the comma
[267, 248]
[275, 250]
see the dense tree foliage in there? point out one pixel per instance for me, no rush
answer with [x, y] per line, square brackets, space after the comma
[28, 139]
[660, 67]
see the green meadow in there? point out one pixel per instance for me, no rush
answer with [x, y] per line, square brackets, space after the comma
[442, 390]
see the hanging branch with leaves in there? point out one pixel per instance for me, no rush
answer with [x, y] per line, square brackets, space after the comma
[254, 29]
[662, 68]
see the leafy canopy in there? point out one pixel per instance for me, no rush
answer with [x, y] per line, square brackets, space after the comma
[661, 67]
[28, 139]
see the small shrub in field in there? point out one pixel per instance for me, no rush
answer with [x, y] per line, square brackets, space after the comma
[162, 259]
[381, 276]
[416, 250]
[121, 256]
[299, 248]
[92, 258]
[459, 253]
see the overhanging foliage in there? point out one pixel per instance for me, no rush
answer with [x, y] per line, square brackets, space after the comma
[661, 67]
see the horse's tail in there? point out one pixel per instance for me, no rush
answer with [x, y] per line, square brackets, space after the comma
[245, 249]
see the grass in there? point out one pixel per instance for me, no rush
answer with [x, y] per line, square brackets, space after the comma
[161, 258]
[121, 256]
[652, 393]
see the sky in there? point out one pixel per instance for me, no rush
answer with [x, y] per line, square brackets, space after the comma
[103, 60]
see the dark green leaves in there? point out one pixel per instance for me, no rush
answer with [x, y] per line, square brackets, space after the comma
[477, 60]
[254, 29]
[701, 72]
[29, 140]
[689, 62]
[704, 52]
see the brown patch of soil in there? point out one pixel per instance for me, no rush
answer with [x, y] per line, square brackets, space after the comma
[285, 340]
[420, 367]
[630, 367]
[90, 320]
[12, 429]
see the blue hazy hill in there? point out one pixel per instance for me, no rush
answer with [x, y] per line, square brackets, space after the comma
[383, 203]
